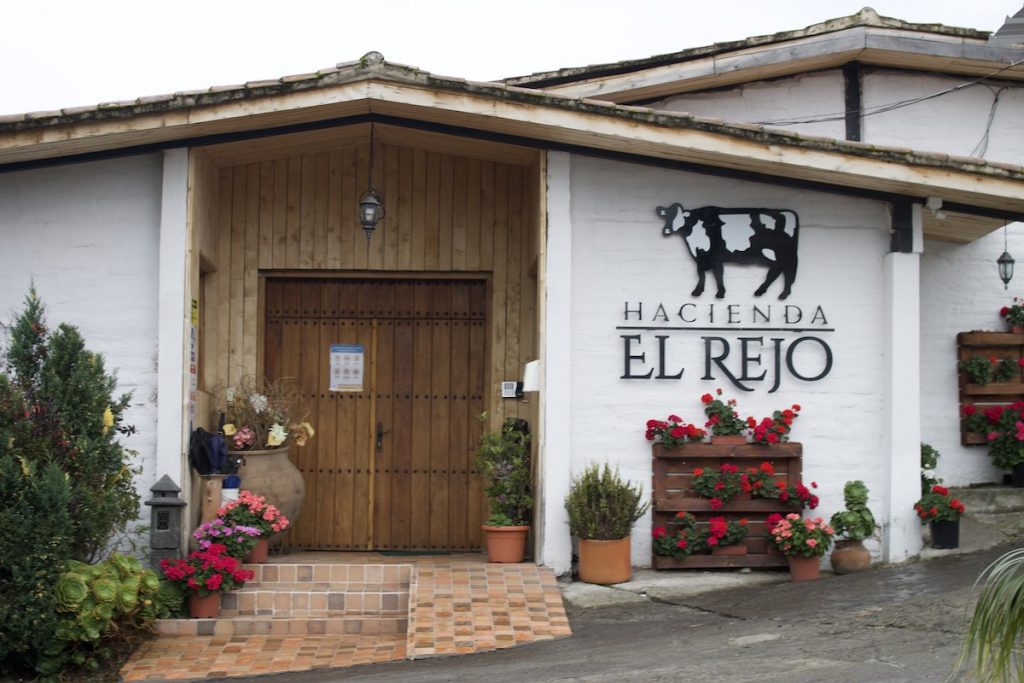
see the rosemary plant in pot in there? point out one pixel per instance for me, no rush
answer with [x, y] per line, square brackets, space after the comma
[602, 510]
[504, 460]
[855, 523]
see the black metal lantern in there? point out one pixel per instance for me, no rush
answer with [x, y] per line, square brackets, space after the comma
[1005, 268]
[371, 204]
[1005, 264]
[371, 210]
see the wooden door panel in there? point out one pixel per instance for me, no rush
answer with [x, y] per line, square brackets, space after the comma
[425, 345]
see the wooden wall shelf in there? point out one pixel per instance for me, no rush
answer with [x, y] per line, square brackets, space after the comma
[988, 344]
[672, 474]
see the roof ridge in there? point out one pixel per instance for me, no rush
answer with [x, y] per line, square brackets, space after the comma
[866, 17]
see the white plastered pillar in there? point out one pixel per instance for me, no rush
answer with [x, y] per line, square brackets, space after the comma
[554, 543]
[172, 428]
[902, 410]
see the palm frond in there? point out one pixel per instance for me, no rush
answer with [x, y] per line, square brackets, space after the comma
[992, 646]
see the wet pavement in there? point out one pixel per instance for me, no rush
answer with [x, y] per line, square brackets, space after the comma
[896, 623]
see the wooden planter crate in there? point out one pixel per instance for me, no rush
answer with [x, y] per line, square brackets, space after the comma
[673, 472]
[988, 344]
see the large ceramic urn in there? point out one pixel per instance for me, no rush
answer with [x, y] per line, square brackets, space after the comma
[272, 474]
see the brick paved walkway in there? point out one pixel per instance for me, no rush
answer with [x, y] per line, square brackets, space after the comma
[457, 605]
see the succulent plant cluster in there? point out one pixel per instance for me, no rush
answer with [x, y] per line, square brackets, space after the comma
[98, 594]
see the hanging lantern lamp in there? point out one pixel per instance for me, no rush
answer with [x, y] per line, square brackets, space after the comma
[1005, 262]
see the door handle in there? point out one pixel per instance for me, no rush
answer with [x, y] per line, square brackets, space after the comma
[380, 436]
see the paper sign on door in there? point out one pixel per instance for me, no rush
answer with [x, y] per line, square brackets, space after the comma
[347, 367]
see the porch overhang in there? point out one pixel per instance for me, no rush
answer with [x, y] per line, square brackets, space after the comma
[985, 194]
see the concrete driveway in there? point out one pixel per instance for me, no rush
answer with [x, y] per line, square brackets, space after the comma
[896, 623]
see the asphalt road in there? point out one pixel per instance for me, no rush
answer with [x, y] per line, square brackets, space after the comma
[898, 623]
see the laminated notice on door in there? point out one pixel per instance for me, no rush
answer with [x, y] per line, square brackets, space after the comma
[347, 367]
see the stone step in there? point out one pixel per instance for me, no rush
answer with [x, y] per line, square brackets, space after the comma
[355, 577]
[990, 500]
[312, 599]
[309, 599]
[283, 625]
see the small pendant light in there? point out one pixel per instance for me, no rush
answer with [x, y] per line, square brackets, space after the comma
[1005, 263]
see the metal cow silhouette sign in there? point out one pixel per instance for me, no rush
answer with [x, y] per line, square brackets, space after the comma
[715, 236]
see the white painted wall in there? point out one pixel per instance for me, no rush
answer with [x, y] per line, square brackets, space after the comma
[87, 235]
[960, 289]
[619, 254]
[814, 94]
[954, 123]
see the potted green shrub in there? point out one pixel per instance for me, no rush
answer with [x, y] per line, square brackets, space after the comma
[855, 523]
[602, 510]
[504, 460]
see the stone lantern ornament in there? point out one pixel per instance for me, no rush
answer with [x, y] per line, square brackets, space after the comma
[165, 521]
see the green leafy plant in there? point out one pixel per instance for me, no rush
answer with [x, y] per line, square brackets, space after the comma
[680, 540]
[673, 432]
[723, 419]
[720, 486]
[100, 605]
[602, 506]
[992, 647]
[929, 461]
[723, 533]
[982, 370]
[855, 522]
[938, 505]
[794, 535]
[57, 406]
[35, 543]
[503, 459]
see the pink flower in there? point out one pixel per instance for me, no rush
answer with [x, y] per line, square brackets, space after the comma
[811, 543]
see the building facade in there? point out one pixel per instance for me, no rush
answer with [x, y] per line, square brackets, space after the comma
[196, 238]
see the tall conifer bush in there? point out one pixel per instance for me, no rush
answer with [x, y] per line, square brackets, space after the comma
[57, 407]
[35, 543]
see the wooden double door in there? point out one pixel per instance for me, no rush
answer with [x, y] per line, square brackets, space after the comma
[391, 465]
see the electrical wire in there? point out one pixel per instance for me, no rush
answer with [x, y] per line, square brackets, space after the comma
[982, 146]
[891, 106]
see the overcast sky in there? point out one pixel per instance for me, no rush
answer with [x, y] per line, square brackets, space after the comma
[61, 53]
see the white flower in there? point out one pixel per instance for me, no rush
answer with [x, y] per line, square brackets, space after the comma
[258, 402]
[230, 394]
[277, 435]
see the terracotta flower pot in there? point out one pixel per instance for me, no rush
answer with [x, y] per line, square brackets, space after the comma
[850, 556]
[804, 568]
[505, 543]
[259, 553]
[205, 606]
[737, 549]
[605, 562]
